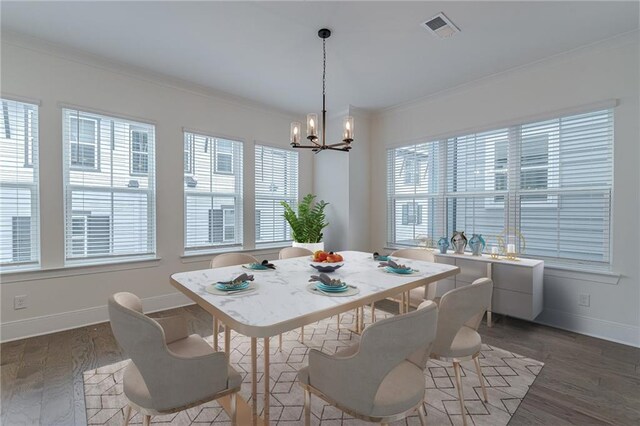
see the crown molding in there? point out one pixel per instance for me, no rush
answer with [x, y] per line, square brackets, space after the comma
[87, 58]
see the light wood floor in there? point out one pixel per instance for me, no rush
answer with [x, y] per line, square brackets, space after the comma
[584, 381]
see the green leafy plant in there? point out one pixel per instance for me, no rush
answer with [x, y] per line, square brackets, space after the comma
[307, 225]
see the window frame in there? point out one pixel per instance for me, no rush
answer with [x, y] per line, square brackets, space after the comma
[514, 195]
[30, 147]
[146, 247]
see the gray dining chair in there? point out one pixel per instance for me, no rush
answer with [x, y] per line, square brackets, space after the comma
[381, 379]
[289, 253]
[169, 370]
[220, 261]
[457, 339]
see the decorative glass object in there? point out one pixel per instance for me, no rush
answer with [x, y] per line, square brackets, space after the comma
[295, 133]
[458, 242]
[312, 126]
[348, 129]
[477, 244]
[443, 245]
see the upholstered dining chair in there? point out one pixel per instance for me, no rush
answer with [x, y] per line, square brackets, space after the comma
[380, 379]
[417, 295]
[457, 339]
[288, 253]
[169, 370]
[220, 261]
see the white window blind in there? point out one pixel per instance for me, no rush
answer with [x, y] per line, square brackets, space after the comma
[109, 180]
[19, 201]
[212, 192]
[544, 186]
[564, 195]
[414, 207]
[477, 183]
[276, 180]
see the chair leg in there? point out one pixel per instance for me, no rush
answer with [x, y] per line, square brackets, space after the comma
[307, 407]
[373, 312]
[338, 322]
[481, 377]
[421, 414]
[127, 415]
[280, 342]
[234, 409]
[456, 368]
[146, 421]
[302, 334]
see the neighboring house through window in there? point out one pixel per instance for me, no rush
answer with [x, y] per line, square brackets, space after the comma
[83, 142]
[139, 151]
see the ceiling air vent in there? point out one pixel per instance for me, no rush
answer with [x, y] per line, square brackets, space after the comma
[440, 26]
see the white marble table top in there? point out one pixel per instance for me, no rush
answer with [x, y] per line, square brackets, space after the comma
[281, 301]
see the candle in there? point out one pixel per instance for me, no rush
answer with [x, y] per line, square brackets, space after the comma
[511, 248]
[295, 133]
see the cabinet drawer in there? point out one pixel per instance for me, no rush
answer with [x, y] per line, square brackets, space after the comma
[512, 303]
[470, 270]
[511, 277]
[444, 259]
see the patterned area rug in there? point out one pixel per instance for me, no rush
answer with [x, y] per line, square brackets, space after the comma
[508, 377]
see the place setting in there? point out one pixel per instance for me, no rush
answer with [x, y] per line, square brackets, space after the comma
[393, 268]
[263, 266]
[241, 284]
[324, 285]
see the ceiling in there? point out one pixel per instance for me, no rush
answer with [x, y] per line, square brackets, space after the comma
[378, 55]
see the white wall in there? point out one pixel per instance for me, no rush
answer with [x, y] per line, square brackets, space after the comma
[592, 74]
[59, 298]
[343, 180]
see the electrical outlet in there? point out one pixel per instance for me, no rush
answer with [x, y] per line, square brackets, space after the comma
[584, 300]
[20, 302]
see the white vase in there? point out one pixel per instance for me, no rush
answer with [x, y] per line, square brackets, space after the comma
[313, 247]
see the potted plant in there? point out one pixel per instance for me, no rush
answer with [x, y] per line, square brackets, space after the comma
[308, 223]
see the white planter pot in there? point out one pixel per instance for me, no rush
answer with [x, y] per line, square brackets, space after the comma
[313, 247]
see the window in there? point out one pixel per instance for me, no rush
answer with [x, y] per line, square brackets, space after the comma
[139, 151]
[413, 182]
[212, 192]
[110, 209]
[548, 181]
[276, 181]
[224, 156]
[84, 142]
[188, 154]
[19, 200]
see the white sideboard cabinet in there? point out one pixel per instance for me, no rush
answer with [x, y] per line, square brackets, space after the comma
[517, 284]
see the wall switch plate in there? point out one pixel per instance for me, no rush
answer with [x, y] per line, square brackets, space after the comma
[584, 300]
[20, 302]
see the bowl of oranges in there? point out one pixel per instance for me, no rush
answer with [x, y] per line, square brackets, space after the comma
[326, 261]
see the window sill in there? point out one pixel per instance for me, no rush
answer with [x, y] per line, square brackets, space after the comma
[78, 269]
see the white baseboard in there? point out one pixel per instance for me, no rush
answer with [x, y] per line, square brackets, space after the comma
[47, 324]
[625, 334]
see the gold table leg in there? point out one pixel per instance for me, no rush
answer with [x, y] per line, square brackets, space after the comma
[254, 379]
[267, 382]
[227, 340]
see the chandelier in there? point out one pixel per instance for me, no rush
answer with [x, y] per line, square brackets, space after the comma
[318, 144]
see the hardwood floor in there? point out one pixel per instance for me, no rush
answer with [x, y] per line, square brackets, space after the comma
[584, 381]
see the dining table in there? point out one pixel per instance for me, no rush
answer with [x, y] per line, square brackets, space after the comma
[282, 299]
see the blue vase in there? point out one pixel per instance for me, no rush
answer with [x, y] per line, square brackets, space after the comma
[458, 242]
[477, 244]
[443, 245]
